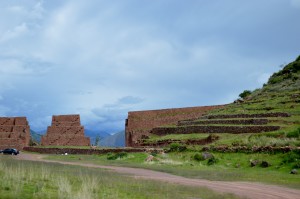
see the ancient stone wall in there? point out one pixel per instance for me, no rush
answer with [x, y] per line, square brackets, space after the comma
[140, 123]
[86, 151]
[213, 129]
[14, 132]
[65, 130]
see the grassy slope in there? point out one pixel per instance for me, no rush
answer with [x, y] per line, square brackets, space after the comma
[229, 167]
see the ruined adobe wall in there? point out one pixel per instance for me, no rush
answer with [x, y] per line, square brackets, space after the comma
[213, 129]
[65, 130]
[86, 151]
[14, 132]
[140, 123]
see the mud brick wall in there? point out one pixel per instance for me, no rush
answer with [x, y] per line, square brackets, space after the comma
[140, 123]
[213, 129]
[14, 132]
[86, 151]
[65, 130]
[66, 118]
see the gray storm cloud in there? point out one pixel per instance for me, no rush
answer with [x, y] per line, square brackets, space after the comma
[102, 59]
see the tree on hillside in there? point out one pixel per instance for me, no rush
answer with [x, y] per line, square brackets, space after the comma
[97, 139]
[245, 94]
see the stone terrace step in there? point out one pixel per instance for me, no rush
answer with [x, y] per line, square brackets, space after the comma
[259, 115]
[213, 129]
[237, 122]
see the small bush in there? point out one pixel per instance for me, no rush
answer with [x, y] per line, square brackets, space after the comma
[154, 153]
[245, 94]
[198, 157]
[120, 155]
[292, 158]
[176, 147]
[212, 161]
[293, 134]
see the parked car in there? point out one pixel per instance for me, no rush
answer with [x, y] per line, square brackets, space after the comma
[10, 151]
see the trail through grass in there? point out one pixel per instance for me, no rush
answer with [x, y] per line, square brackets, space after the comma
[29, 180]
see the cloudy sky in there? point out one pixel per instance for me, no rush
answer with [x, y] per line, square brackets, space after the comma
[101, 58]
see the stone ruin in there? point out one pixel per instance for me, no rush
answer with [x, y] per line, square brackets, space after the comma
[14, 132]
[139, 124]
[65, 130]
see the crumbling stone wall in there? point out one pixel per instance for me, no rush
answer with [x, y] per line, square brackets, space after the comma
[140, 123]
[65, 130]
[14, 132]
[213, 129]
[87, 151]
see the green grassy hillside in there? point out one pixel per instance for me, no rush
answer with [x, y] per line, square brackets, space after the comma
[280, 95]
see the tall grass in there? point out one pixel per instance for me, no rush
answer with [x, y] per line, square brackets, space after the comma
[25, 179]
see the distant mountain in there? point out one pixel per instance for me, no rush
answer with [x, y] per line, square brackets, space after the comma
[115, 140]
[36, 137]
[93, 134]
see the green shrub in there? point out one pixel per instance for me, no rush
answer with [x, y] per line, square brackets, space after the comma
[212, 161]
[176, 147]
[294, 134]
[292, 158]
[198, 157]
[154, 153]
[245, 93]
[120, 155]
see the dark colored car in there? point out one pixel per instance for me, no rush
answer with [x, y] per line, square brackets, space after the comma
[10, 151]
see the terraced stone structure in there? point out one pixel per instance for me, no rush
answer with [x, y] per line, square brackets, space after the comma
[65, 130]
[14, 132]
[210, 125]
[139, 124]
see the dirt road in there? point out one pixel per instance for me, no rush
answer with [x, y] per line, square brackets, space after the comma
[242, 189]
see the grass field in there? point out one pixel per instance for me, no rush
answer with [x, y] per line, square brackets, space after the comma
[29, 180]
[228, 166]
